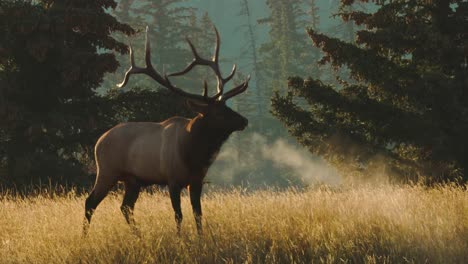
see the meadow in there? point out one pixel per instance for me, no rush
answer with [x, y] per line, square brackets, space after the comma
[383, 224]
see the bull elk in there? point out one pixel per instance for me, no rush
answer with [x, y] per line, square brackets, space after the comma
[176, 152]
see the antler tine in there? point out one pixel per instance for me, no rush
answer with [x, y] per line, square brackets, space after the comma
[213, 64]
[197, 60]
[132, 57]
[237, 90]
[147, 50]
[148, 70]
[132, 70]
[222, 82]
[205, 89]
[217, 45]
[233, 71]
[194, 50]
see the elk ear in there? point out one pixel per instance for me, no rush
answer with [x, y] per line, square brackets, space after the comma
[197, 106]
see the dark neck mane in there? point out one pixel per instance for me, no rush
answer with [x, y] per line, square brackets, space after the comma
[203, 145]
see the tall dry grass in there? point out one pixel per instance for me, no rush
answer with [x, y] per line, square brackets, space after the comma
[386, 224]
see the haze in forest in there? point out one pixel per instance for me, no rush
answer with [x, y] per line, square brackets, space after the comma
[262, 158]
[338, 89]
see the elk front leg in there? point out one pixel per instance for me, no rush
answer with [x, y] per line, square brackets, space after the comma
[195, 194]
[132, 191]
[174, 192]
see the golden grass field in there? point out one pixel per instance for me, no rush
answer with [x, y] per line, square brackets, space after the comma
[386, 224]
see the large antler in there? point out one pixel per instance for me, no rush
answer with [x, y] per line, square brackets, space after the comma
[214, 64]
[150, 71]
[164, 81]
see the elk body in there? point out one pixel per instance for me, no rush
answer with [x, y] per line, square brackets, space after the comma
[176, 152]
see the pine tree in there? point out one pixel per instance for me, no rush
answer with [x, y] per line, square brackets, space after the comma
[407, 109]
[49, 69]
[283, 56]
[314, 24]
[251, 50]
[123, 10]
[344, 30]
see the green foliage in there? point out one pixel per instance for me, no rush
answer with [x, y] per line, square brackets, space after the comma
[53, 56]
[250, 52]
[49, 68]
[406, 113]
[284, 54]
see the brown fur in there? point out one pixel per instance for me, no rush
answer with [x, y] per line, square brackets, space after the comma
[176, 153]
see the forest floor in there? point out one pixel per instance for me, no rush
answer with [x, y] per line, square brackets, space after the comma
[386, 224]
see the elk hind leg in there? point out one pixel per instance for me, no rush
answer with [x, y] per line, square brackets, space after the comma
[132, 190]
[99, 192]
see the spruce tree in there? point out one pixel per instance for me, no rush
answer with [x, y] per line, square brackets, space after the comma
[123, 10]
[250, 52]
[53, 55]
[313, 22]
[283, 55]
[406, 112]
[285, 52]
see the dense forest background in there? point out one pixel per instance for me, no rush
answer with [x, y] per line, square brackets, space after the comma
[371, 91]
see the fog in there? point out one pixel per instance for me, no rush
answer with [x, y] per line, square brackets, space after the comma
[259, 162]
